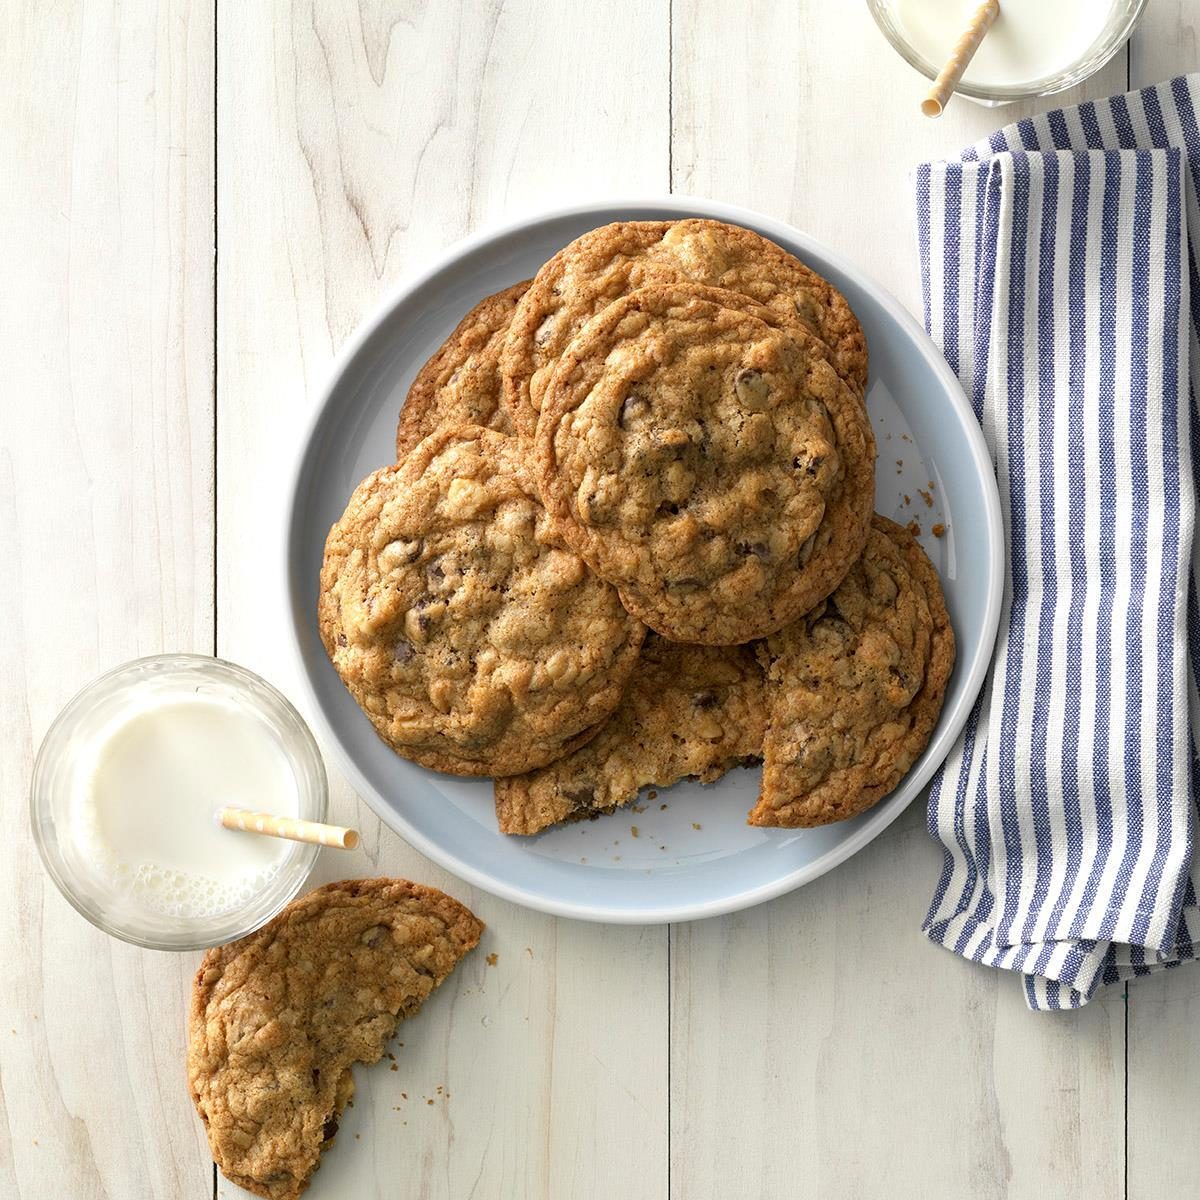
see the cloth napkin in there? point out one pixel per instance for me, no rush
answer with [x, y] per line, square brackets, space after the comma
[1059, 266]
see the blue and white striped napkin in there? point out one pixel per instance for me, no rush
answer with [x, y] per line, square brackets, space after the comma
[1059, 260]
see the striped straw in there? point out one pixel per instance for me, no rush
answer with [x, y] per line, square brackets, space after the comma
[294, 830]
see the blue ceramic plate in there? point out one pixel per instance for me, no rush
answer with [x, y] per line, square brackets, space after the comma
[695, 856]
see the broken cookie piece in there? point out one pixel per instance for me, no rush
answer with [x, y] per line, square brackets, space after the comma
[689, 711]
[278, 1018]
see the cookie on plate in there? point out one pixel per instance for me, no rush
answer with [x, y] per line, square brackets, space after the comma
[854, 688]
[606, 263]
[473, 640]
[278, 1018]
[709, 464]
[460, 384]
[689, 712]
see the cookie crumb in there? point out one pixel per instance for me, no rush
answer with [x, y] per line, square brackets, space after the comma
[429, 1102]
[638, 808]
[662, 808]
[696, 825]
[662, 847]
[653, 795]
[634, 830]
[913, 528]
[391, 1056]
[583, 860]
[394, 1067]
[905, 438]
[926, 496]
[492, 959]
[403, 1095]
[939, 530]
[529, 951]
[907, 500]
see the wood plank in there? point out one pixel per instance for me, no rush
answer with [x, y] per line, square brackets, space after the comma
[351, 148]
[820, 1046]
[106, 527]
[1164, 1030]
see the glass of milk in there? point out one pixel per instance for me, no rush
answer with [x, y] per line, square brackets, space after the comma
[1035, 47]
[126, 785]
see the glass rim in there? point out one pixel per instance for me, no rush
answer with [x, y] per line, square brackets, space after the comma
[196, 933]
[1098, 56]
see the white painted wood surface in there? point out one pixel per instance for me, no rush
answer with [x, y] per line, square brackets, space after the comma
[106, 532]
[814, 1047]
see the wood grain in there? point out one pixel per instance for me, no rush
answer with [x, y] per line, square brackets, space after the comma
[1164, 1010]
[106, 527]
[354, 143]
[820, 1046]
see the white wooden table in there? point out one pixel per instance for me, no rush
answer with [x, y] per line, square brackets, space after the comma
[151, 391]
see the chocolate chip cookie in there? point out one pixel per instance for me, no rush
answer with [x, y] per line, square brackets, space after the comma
[689, 711]
[278, 1018]
[854, 688]
[606, 263]
[460, 384]
[475, 642]
[709, 464]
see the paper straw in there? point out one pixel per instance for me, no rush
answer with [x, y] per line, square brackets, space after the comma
[960, 56]
[291, 828]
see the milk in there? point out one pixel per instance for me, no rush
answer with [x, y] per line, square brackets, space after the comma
[1031, 40]
[145, 792]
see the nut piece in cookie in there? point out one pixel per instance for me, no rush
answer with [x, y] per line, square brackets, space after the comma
[472, 639]
[689, 712]
[709, 464]
[854, 688]
[460, 384]
[606, 263]
[278, 1018]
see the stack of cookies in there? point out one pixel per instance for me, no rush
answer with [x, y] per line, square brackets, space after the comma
[629, 539]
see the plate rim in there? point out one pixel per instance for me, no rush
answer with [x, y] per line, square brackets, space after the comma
[933, 755]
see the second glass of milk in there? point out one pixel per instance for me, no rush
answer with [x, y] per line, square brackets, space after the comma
[1035, 47]
[126, 786]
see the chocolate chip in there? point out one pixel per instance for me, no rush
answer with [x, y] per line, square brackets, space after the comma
[341, 639]
[705, 699]
[329, 1130]
[758, 549]
[374, 937]
[584, 794]
[632, 407]
[435, 572]
[668, 509]
[403, 651]
[753, 391]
